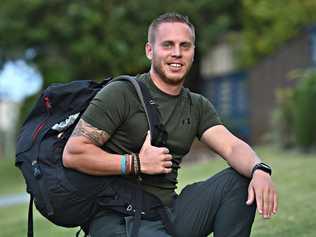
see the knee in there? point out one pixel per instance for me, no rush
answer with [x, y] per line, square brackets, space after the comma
[235, 176]
[233, 180]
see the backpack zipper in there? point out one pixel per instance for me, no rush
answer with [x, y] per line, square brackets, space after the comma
[48, 107]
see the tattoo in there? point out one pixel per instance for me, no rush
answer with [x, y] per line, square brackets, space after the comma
[95, 135]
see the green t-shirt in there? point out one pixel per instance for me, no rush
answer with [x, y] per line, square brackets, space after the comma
[117, 110]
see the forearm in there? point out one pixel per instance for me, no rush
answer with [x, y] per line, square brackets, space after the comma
[83, 153]
[236, 152]
[242, 158]
[90, 159]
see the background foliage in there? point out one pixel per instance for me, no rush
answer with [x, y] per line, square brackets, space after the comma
[96, 38]
[295, 121]
[268, 23]
[79, 39]
[88, 39]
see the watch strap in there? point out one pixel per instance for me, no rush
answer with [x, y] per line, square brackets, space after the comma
[262, 166]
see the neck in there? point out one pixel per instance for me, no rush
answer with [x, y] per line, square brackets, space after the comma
[165, 87]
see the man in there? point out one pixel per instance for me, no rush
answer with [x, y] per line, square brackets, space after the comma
[115, 123]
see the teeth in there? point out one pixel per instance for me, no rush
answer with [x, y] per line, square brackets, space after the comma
[175, 65]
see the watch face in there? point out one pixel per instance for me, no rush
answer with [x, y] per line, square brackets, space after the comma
[265, 165]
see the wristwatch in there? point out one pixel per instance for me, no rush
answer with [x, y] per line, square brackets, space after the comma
[262, 166]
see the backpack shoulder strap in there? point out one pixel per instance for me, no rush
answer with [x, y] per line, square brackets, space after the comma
[158, 133]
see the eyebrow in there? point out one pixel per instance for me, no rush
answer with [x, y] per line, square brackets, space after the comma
[172, 42]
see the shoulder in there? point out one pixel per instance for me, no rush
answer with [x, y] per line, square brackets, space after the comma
[116, 88]
[197, 99]
[201, 105]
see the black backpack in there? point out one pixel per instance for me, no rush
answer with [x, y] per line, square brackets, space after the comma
[64, 196]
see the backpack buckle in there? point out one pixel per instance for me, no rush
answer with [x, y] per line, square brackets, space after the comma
[36, 170]
[129, 208]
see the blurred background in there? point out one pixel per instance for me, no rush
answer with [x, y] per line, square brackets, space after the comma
[255, 60]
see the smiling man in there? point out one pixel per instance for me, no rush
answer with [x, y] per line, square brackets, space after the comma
[170, 48]
[115, 124]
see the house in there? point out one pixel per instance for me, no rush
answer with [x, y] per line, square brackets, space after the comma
[246, 99]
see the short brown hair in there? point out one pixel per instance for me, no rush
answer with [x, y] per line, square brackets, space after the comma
[168, 17]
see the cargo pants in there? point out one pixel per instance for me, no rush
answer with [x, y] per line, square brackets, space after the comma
[216, 205]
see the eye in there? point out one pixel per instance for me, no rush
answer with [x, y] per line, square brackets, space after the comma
[186, 45]
[167, 45]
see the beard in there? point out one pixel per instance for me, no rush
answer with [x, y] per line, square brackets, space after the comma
[174, 81]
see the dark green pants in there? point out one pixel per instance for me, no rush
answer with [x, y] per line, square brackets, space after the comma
[216, 205]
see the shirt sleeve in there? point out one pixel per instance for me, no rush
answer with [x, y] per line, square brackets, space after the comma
[108, 109]
[208, 116]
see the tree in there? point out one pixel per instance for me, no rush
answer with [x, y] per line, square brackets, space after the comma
[87, 39]
[91, 39]
[268, 23]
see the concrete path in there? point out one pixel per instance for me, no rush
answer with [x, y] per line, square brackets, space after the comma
[13, 199]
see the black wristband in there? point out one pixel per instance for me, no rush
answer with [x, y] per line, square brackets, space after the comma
[261, 166]
[138, 163]
[138, 167]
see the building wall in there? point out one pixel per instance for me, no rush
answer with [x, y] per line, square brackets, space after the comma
[270, 75]
[229, 95]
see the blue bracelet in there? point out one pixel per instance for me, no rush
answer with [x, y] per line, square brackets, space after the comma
[123, 164]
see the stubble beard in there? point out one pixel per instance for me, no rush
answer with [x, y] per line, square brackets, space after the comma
[157, 67]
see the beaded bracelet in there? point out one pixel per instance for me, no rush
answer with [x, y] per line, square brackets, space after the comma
[135, 164]
[130, 165]
[138, 163]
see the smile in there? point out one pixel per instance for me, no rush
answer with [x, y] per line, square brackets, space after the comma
[175, 65]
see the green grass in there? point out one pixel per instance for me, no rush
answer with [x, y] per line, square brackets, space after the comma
[11, 180]
[293, 173]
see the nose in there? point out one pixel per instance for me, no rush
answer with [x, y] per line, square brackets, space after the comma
[176, 52]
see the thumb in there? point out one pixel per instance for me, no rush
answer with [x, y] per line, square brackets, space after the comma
[148, 139]
[251, 196]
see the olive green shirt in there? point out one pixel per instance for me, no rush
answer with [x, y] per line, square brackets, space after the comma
[117, 110]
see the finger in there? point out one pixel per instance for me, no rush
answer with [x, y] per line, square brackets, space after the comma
[167, 164]
[271, 201]
[266, 203]
[164, 150]
[147, 141]
[251, 196]
[167, 157]
[167, 170]
[259, 202]
[148, 138]
[275, 203]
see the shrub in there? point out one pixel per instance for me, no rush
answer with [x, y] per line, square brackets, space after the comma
[304, 110]
[282, 120]
[294, 120]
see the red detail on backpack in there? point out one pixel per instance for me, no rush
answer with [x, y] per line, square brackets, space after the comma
[47, 103]
[38, 129]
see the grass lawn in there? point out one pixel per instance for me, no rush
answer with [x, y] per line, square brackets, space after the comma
[293, 173]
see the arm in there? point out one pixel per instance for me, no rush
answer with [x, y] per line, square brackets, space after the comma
[242, 158]
[236, 152]
[83, 153]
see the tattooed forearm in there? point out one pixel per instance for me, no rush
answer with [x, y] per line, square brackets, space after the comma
[97, 136]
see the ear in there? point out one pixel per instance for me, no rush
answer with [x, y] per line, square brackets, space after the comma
[149, 50]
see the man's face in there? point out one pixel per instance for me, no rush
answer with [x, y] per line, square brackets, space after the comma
[172, 52]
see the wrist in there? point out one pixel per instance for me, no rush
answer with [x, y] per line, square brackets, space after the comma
[135, 167]
[123, 164]
[264, 168]
[260, 173]
[129, 166]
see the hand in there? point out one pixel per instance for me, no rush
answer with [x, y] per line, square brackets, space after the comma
[262, 189]
[154, 160]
